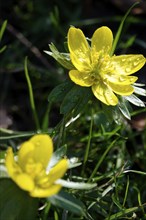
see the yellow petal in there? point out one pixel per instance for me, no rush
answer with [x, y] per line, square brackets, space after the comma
[81, 78]
[121, 89]
[79, 49]
[12, 167]
[33, 169]
[104, 94]
[57, 172]
[27, 161]
[25, 182]
[122, 80]
[102, 39]
[43, 148]
[45, 192]
[25, 153]
[127, 64]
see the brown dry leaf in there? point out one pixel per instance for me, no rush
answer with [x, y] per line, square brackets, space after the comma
[5, 120]
[139, 122]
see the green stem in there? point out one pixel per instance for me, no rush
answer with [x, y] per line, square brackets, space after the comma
[45, 123]
[101, 160]
[88, 144]
[31, 97]
[16, 136]
[126, 192]
[61, 136]
[46, 211]
[118, 34]
[138, 111]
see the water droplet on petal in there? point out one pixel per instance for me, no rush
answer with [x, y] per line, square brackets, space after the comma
[128, 69]
[131, 79]
[135, 63]
[38, 143]
[121, 79]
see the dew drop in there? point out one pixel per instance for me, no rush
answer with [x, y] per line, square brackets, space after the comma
[38, 143]
[74, 160]
[131, 79]
[38, 131]
[121, 79]
[136, 63]
[109, 98]
[128, 69]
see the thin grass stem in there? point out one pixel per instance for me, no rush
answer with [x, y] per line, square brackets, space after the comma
[88, 143]
[101, 159]
[31, 96]
[45, 123]
[126, 192]
[118, 34]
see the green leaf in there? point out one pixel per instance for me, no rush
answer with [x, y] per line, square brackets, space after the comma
[76, 100]
[2, 30]
[123, 108]
[60, 152]
[66, 201]
[3, 49]
[58, 93]
[135, 100]
[31, 96]
[117, 203]
[3, 171]
[113, 113]
[128, 43]
[139, 91]
[118, 34]
[86, 96]
[62, 58]
[57, 155]
[15, 203]
[123, 213]
[14, 135]
[76, 185]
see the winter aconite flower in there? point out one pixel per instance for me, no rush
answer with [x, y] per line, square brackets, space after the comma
[107, 75]
[30, 170]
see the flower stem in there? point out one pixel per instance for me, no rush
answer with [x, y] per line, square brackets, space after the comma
[89, 143]
[31, 96]
[45, 123]
[101, 159]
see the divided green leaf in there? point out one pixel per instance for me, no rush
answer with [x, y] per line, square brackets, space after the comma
[76, 100]
[66, 201]
[15, 203]
[60, 91]
[123, 108]
[62, 58]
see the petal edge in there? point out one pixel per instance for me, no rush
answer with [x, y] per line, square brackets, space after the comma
[82, 79]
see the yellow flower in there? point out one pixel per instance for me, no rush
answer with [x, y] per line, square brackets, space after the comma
[30, 172]
[107, 75]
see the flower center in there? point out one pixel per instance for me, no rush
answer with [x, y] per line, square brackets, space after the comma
[33, 168]
[102, 68]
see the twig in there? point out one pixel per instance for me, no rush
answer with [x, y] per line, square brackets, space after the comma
[29, 45]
